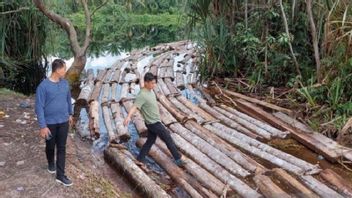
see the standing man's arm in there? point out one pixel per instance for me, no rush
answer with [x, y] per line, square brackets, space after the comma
[130, 114]
[39, 110]
[69, 102]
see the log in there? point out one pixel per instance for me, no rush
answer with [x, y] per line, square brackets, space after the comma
[207, 117]
[108, 124]
[225, 119]
[124, 91]
[105, 93]
[189, 79]
[94, 119]
[167, 118]
[137, 119]
[253, 128]
[185, 110]
[319, 188]
[266, 152]
[121, 131]
[96, 91]
[207, 96]
[203, 176]
[108, 75]
[101, 75]
[180, 82]
[299, 189]
[85, 93]
[154, 70]
[114, 92]
[209, 150]
[269, 188]
[163, 87]
[171, 86]
[342, 186]
[236, 184]
[256, 101]
[132, 89]
[191, 91]
[116, 76]
[180, 116]
[239, 157]
[190, 185]
[293, 122]
[302, 137]
[254, 121]
[123, 161]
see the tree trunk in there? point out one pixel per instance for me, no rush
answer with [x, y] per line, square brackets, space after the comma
[123, 160]
[94, 119]
[180, 116]
[171, 86]
[196, 109]
[289, 42]
[313, 32]
[187, 111]
[163, 87]
[108, 124]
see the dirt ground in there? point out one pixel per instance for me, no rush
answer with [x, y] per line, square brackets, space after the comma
[23, 166]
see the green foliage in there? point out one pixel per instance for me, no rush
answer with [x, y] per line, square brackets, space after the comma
[22, 39]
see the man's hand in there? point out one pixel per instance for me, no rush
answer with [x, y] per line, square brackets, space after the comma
[44, 132]
[126, 121]
[70, 120]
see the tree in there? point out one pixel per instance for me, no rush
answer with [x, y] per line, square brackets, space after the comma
[79, 51]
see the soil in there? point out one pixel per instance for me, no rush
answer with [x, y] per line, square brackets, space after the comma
[23, 165]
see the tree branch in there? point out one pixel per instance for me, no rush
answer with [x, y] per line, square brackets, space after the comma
[63, 22]
[13, 11]
[88, 26]
[100, 6]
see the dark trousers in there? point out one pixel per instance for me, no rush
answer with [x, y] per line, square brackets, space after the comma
[155, 130]
[59, 137]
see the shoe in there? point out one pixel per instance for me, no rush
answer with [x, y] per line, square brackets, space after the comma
[51, 168]
[64, 180]
[180, 163]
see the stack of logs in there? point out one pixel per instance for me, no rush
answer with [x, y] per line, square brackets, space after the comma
[224, 148]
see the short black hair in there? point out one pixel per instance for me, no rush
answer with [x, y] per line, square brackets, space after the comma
[149, 77]
[57, 64]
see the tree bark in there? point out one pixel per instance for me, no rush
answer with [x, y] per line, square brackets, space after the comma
[108, 124]
[196, 109]
[94, 119]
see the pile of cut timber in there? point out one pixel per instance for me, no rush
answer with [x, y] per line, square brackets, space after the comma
[224, 147]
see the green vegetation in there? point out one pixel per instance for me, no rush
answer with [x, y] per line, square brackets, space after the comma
[247, 39]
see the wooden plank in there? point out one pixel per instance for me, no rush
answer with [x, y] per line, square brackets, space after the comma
[319, 188]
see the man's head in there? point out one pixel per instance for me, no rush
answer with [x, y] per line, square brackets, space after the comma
[149, 81]
[58, 67]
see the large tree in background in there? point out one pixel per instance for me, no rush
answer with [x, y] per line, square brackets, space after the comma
[79, 50]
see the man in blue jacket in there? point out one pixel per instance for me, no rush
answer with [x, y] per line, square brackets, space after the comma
[54, 112]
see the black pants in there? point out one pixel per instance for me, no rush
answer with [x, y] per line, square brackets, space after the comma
[154, 130]
[59, 133]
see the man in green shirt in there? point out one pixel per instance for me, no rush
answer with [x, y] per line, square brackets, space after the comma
[146, 102]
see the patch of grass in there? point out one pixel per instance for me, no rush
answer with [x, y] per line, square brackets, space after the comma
[92, 183]
[8, 92]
